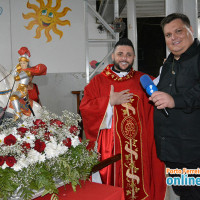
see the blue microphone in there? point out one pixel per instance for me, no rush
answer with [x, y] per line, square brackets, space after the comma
[150, 88]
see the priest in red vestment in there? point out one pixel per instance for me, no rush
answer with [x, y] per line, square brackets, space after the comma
[118, 116]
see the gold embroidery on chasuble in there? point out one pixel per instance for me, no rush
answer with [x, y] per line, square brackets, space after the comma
[128, 129]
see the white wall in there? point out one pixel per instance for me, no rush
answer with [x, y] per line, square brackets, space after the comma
[64, 58]
[5, 35]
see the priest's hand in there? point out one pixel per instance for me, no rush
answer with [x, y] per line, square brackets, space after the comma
[117, 98]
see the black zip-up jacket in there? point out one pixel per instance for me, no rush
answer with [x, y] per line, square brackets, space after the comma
[178, 136]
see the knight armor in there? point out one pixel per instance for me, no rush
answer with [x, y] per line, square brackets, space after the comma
[21, 92]
[23, 74]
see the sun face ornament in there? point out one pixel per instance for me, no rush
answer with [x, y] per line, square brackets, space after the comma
[46, 17]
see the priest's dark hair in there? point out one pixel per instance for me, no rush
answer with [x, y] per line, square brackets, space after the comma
[124, 42]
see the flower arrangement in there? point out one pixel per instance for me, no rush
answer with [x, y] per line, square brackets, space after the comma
[36, 152]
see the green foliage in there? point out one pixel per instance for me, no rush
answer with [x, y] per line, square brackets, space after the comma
[71, 167]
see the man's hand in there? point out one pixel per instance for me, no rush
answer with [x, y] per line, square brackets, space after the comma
[162, 100]
[117, 98]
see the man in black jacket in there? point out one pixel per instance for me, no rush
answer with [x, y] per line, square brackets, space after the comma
[178, 136]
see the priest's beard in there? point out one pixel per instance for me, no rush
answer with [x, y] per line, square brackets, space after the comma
[117, 66]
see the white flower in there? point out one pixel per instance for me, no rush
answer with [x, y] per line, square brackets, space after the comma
[62, 149]
[21, 163]
[17, 167]
[2, 136]
[18, 137]
[50, 150]
[54, 150]
[4, 165]
[41, 158]
[29, 138]
[52, 130]
[53, 140]
[27, 123]
[34, 157]
[75, 141]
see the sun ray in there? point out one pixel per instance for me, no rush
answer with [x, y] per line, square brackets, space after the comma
[49, 3]
[32, 6]
[31, 24]
[64, 12]
[38, 32]
[41, 2]
[63, 23]
[29, 15]
[56, 31]
[58, 4]
[49, 38]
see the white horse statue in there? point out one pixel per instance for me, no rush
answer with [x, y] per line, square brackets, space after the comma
[7, 86]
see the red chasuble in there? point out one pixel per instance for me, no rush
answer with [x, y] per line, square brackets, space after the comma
[139, 172]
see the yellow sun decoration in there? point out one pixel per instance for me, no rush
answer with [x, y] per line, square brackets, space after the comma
[47, 18]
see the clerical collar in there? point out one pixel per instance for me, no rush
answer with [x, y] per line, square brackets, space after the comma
[120, 74]
[114, 70]
[117, 71]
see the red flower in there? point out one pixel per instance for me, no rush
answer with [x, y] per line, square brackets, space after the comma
[10, 140]
[2, 160]
[34, 130]
[67, 142]
[73, 129]
[26, 146]
[39, 122]
[22, 131]
[10, 160]
[57, 122]
[47, 136]
[39, 145]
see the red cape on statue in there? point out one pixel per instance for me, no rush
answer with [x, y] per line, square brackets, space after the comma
[139, 172]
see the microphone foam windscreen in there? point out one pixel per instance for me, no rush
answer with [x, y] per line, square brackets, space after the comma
[145, 80]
